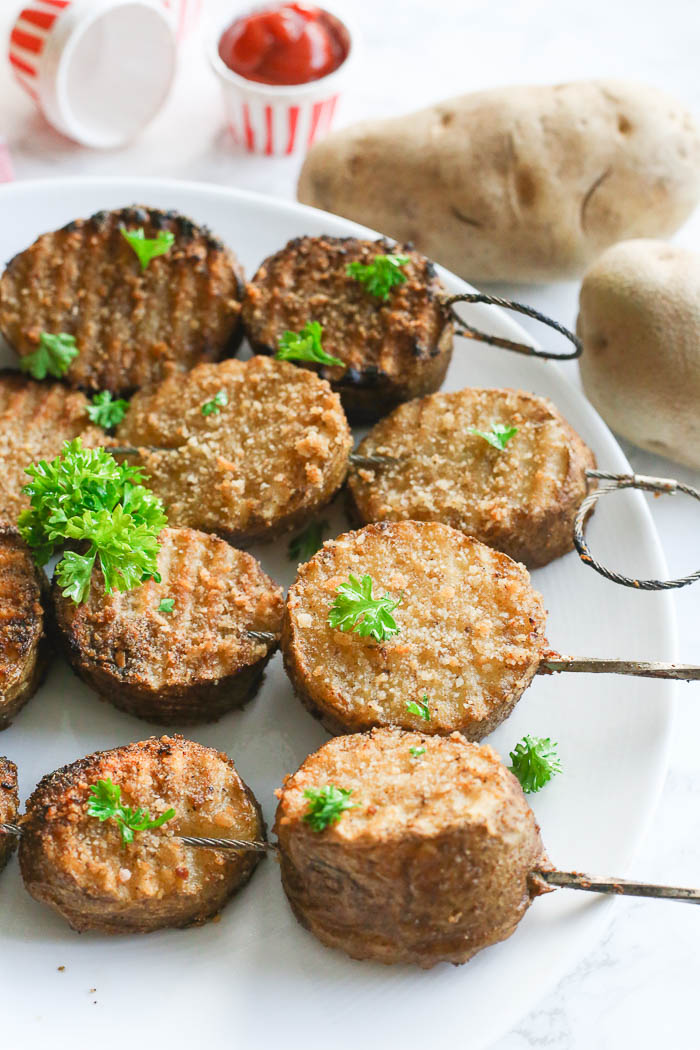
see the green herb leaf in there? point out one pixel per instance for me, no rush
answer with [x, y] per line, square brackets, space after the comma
[499, 435]
[305, 545]
[147, 248]
[534, 762]
[166, 605]
[213, 407]
[105, 412]
[85, 495]
[305, 346]
[354, 609]
[381, 275]
[417, 751]
[52, 357]
[105, 803]
[420, 708]
[326, 806]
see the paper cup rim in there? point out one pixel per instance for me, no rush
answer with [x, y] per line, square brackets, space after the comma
[55, 65]
[278, 91]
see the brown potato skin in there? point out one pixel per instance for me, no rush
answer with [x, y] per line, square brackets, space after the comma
[186, 667]
[74, 863]
[471, 632]
[23, 642]
[9, 807]
[437, 887]
[393, 350]
[533, 526]
[131, 325]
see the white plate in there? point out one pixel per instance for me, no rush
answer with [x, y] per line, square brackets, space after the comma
[256, 976]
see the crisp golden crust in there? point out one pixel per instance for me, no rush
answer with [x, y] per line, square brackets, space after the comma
[130, 325]
[471, 632]
[431, 866]
[265, 463]
[78, 866]
[192, 664]
[522, 500]
[35, 420]
[393, 350]
[23, 645]
[9, 807]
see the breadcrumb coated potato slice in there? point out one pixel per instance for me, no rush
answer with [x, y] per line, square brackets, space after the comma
[471, 632]
[392, 349]
[9, 807]
[190, 664]
[80, 867]
[265, 462]
[35, 421]
[431, 865]
[130, 324]
[23, 646]
[521, 500]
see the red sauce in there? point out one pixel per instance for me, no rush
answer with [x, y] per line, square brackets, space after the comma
[286, 44]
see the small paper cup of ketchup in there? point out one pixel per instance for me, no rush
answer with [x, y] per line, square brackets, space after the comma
[281, 67]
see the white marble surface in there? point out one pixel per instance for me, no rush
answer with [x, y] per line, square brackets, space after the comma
[639, 986]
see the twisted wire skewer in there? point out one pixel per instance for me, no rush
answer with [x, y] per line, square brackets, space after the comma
[469, 332]
[249, 845]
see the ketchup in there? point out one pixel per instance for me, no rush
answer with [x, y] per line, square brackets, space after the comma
[286, 44]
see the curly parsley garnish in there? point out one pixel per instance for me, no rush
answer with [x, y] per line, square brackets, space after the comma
[213, 407]
[105, 412]
[381, 275]
[84, 495]
[105, 804]
[305, 545]
[166, 605]
[326, 806]
[305, 346]
[147, 248]
[354, 609]
[534, 762]
[420, 708]
[52, 357]
[417, 751]
[499, 435]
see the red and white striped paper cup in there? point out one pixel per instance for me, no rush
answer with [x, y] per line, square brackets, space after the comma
[185, 15]
[281, 120]
[98, 69]
[6, 172]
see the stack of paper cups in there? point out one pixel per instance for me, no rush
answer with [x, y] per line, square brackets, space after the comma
[6, 172]
[185, 15]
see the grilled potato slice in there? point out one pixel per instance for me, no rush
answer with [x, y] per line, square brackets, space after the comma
[23, 645]
[191, 664]
[9, 807]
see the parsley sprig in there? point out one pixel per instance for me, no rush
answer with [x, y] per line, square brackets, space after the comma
[305, 346]
[534, 762]
[105, 803]
[354, 609]
[166, 605]
[84, 496]
[213, 407]
[381, 275]
[305, 545]
[499, 435]
[420, 708]
[52, 357]
[105, 412]
[147, 248]
[416, 752]
[326, 806]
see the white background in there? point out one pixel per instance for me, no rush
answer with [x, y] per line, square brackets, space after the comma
[639, 988]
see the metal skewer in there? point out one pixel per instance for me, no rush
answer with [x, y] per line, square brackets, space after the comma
[602, 665]
[355, 458]
[249, 845]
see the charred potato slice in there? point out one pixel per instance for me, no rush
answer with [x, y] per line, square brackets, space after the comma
[392, 350]
[471, 632]
[433, 862]
[80, 867]
[9, 807]
[23, 646]
[191, 664]
[255, 466]
[130, 324]
[35, 421]
[522, 500]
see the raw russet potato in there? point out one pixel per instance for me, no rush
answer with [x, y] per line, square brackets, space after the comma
[524, 184]
[639, 319]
